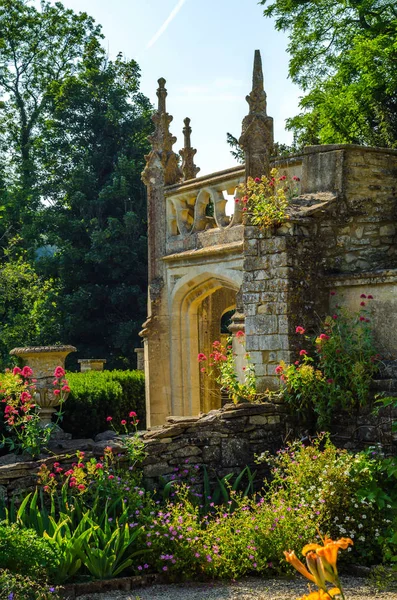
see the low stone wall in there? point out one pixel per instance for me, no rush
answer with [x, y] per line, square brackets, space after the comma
[225, 440]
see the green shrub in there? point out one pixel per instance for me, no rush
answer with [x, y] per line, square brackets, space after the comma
[20, 587]
[97, 394]
[23, 551]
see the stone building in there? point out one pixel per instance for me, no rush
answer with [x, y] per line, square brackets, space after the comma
[204, 262]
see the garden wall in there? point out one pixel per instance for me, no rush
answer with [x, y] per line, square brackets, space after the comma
[225, 440]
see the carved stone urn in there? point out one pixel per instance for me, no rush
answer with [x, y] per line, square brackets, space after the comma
[43, 360]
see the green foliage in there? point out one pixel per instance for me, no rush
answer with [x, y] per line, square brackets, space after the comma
[265, 200]
[99, 394]
[23, 551]
[338, 487]
[335, 370]
[73, 135]
[343, 54]
[20, 587]
[28, 303]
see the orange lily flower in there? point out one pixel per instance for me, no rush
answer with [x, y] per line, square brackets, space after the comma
[329, 554]
[315, 567]
[321, 595]
[298, 565]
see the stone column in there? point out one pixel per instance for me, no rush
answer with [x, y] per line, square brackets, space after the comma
[161, 170]
[140, 359]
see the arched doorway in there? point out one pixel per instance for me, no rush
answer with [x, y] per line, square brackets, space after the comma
[197, 310]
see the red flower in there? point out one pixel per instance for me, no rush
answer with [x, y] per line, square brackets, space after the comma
[324, 336]
[56, 464]
[370, 297]
[237, 200]
[257, 180]
[362, 303]
[201, 357]
[240, 333]
[26, 372]
[295, 178]
[59, 372]
[362, 318]
[111, 477]
[282, 178]
[300, 330]
[108, 419]
[334, 317]
[363, 296]
[330, 381]
[123, 422]
[16, 371]
[302, 352]
[332, 293]
[244, 208]
[81, 487]
[132, 414]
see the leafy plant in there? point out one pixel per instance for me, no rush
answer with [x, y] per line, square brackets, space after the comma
[14, 586]
[335, 369]
[221, 364]
[23, 551]
[265, 200]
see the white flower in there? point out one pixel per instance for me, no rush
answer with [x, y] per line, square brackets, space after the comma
[362, 538]
[360, 525]
[363, 516]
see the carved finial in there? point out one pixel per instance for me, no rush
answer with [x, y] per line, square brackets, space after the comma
[162, 95]
[162, 141]
[189, 169]
[257, 132]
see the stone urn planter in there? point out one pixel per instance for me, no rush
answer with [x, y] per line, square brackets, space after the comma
[43, 360]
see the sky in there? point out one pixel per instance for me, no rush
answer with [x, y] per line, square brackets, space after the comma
[205, 50]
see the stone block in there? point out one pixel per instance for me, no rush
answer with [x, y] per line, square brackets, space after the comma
[258, 420]
[212, 454]
[387, 230]
[235, 451]
[261, 325]
[157, 469]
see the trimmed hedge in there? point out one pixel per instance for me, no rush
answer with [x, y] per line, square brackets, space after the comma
[96, 395]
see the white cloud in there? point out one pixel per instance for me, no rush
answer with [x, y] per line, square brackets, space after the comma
[164, 26]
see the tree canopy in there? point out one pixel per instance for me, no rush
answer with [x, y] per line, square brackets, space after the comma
[343, 55]
[73, 130]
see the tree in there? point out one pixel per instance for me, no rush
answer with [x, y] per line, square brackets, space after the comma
[343, 54]
[76, 141]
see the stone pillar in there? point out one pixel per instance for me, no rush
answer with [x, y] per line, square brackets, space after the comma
[91, 364]
[161, 170]
[257, 131]
[140, 359]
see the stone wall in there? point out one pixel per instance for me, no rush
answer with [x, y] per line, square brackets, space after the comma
[224, 440]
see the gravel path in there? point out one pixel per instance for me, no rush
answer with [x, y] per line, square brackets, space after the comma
[246, 589]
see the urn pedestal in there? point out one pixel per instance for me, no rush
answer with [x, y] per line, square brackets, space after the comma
[43, 360]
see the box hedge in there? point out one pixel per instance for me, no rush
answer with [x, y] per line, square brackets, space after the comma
[96, 395]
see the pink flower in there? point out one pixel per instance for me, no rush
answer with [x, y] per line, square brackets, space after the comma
[324, 336]
[300, 330]
[282, 178]
[203, 369]
[26, 372]
[240, 333]
[108, 419]
[66, 388]
[16, 371]
[57, 392]
[296, 362]
[295, 178]
[99, 466]
[237, 200]
[257, 180]
[334, 317]
[302, 352]
[59, 372]
[132, 414]
[279, 369]
[56, 464]
[123, 422]
[111, 477]
[201, 357]
[81, 487]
